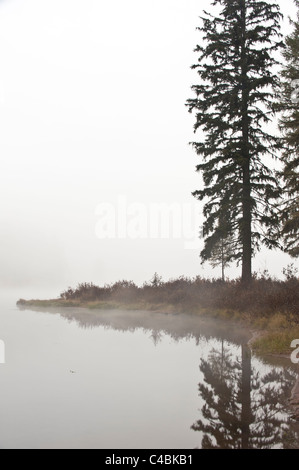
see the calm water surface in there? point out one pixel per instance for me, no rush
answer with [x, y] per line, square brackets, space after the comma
[77, 378]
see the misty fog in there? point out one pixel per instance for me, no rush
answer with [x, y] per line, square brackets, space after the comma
[91, 109]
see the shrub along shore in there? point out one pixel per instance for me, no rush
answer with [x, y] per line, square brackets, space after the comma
[268, 306]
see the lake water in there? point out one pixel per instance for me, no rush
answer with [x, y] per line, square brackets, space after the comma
[77, 378]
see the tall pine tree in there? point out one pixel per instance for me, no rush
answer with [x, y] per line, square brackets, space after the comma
[289, 124]
[232, 107]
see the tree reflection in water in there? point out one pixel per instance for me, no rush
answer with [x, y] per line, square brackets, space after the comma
[244, 407]
[244, 404]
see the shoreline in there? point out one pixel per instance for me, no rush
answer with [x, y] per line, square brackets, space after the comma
[261, 327]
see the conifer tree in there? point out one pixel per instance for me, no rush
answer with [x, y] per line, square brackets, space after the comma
[289, 124]
[220, 248]
[232, 105]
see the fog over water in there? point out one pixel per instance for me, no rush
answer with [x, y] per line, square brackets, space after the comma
[129, 380]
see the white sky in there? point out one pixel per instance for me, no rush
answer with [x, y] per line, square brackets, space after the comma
[92, 111]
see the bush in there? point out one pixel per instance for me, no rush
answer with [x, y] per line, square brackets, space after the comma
[263, 296]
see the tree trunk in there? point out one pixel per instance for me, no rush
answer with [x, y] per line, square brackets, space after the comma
[222, 259]
[246, 225]
[245, 161]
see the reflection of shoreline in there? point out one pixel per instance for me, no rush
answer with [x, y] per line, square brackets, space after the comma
[178, 326]
[294, 400]
[271, 335]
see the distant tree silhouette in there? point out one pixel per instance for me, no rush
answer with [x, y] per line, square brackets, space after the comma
[220, 248]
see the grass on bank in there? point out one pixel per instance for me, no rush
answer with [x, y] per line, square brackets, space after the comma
[268, 305]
